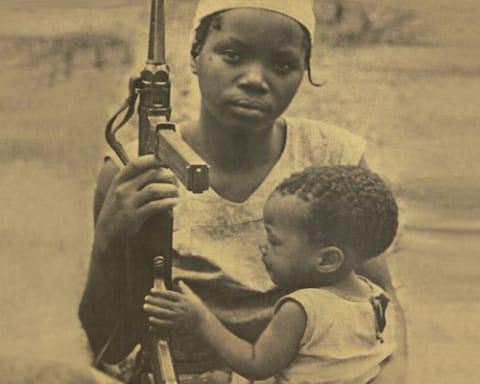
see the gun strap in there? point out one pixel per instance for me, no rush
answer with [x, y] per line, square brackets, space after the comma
[129, 105]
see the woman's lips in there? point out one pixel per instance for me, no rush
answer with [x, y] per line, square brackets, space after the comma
[251, 104]
[249, 108]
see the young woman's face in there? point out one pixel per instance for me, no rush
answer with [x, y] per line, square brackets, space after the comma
[288, 252]
[250, 67]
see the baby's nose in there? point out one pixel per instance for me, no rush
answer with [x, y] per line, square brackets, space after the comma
[263, 249]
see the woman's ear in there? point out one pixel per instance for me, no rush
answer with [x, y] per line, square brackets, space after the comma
[330, 259]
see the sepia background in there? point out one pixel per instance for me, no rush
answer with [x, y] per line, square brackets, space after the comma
[403, 73]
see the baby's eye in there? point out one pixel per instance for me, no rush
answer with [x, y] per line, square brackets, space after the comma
[273, 241]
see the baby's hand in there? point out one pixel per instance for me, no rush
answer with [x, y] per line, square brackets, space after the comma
[182, 310]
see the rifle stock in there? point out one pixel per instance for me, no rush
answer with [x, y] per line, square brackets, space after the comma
[157, 135]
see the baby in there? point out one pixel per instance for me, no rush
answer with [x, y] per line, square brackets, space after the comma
[321, 224]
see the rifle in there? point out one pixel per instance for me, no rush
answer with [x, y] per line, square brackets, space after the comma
[157, 135]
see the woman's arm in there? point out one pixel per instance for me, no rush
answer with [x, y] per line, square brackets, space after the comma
[112, 299]
[394, 371]
[103, 303]
[273, 351]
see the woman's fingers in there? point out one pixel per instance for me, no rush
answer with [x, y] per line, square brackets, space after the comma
[140, 190]
[137, 166]
[144, 172]
[149, 186]
[156, 206]
[155, 175]
[154, 192]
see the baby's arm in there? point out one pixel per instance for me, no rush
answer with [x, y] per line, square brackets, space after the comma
[273, 351]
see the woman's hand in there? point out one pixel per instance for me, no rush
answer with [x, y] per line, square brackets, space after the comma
[140, 190]
[181, 310]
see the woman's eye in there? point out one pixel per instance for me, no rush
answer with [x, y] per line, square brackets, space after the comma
[283, 67]
[231, 55]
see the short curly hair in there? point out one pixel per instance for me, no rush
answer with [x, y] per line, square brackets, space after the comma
[350, 206]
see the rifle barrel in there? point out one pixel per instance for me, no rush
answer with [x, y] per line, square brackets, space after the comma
[156, 39]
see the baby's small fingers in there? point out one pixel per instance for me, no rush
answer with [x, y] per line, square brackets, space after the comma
[164, 324]
[160, 303]
[159, 312]
[166, 294]
[184, 288]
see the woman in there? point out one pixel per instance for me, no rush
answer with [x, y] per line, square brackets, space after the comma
[249, 57]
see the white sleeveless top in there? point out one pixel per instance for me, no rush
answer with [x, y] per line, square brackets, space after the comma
[340, 343]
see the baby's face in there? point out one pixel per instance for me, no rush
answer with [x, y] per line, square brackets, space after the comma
[287, 254]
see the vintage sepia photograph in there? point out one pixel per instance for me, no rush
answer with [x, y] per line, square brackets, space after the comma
[239, 191]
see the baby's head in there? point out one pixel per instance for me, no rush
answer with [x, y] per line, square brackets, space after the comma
[323, 222]
[209, 16]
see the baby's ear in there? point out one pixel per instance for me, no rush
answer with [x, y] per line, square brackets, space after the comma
[329, 259]
[194, 64]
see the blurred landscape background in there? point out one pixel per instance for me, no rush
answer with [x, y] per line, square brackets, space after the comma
[404, 74]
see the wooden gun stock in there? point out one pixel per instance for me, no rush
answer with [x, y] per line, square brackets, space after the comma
[164, 371]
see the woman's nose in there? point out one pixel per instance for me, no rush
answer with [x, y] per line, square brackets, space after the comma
[253, 78]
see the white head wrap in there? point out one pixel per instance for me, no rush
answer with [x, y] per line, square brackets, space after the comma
[299, 10]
